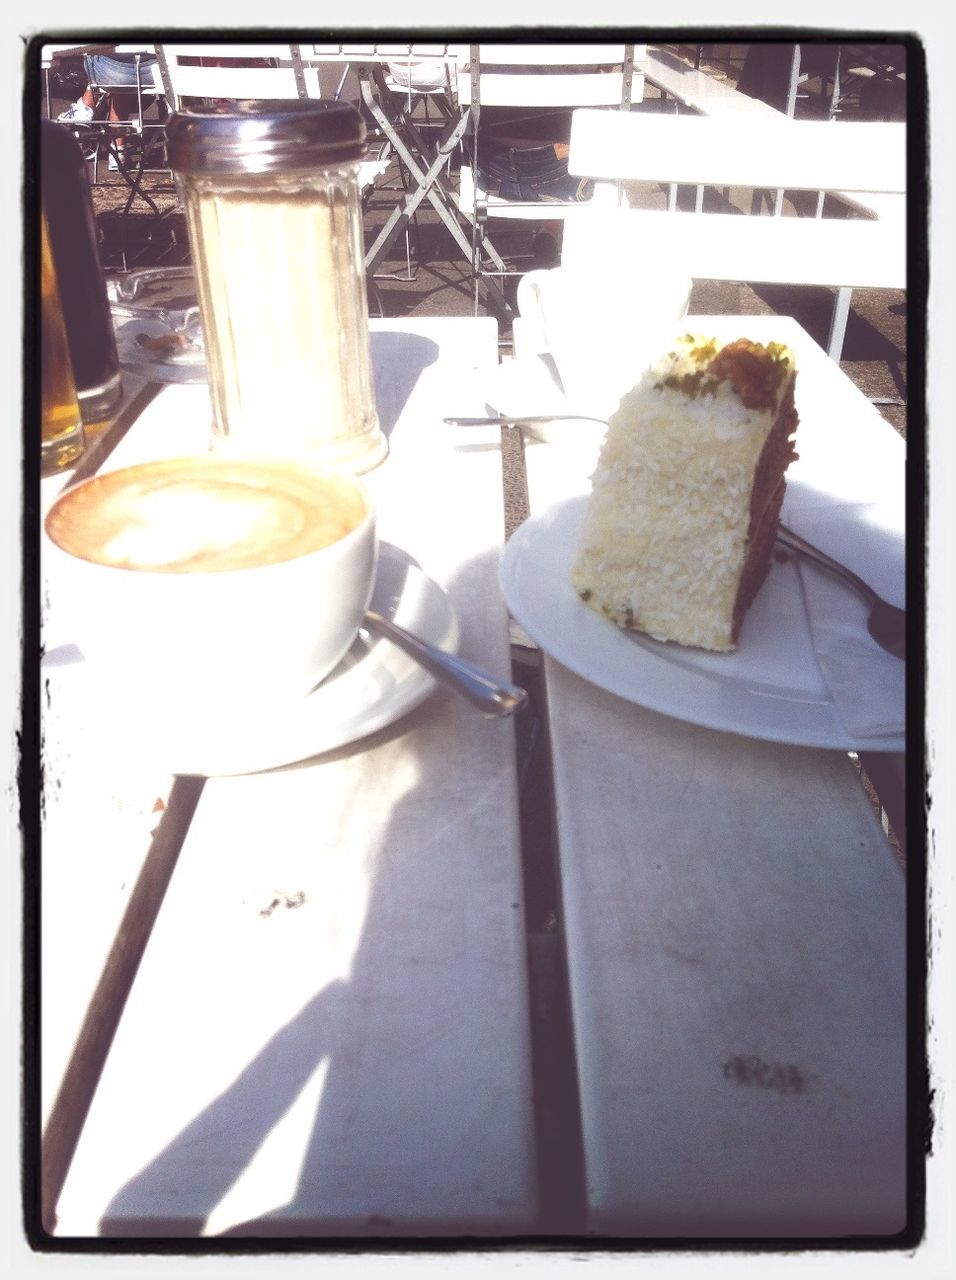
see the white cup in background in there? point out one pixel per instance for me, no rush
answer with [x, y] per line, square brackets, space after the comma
[603, 330]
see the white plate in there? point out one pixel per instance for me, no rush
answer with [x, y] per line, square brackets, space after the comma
[770, 687]
[372, 687]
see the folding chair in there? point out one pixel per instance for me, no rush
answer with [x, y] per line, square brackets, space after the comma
[532, 77]
[139, 133]
[428, 81]
[425, 163]
[196, 74]
[203, 73]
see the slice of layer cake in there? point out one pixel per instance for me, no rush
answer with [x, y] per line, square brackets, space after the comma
[684, 504]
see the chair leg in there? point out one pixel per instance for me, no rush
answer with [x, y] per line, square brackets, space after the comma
[841, 312]
[412, 224]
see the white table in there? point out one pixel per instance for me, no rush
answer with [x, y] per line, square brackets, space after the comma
[329, 1029]
[358, 1060]
[701, 92]
[735, 938]
[698, 90]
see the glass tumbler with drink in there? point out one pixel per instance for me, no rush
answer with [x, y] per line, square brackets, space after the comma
[62, 439]
[82, 285]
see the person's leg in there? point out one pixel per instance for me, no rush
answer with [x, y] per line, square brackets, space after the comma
[122, 106]
[115, 71]
[533, 172]
[121, 73]
[88, 99]
[82, 109]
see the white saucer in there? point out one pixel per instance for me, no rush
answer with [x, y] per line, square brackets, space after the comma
[373, 686]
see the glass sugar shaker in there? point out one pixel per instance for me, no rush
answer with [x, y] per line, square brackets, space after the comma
[273, 213]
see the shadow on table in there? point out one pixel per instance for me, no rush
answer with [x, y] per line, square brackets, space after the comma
[394, 1129]
[398, 361]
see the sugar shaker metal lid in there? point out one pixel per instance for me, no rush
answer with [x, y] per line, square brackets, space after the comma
[264, 136]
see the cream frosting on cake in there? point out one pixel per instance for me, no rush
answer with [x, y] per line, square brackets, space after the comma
[684, 503]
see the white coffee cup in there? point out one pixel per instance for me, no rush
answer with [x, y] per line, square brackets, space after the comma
[209, 580]
[602, 330]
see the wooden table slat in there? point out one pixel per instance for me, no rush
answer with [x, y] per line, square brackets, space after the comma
[735, 928]
[329, 1030]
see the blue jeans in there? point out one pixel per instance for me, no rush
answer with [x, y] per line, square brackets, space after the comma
[533, 173]
[116, 69]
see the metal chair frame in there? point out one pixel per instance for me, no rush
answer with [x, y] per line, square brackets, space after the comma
[529, 75]
[138, 127]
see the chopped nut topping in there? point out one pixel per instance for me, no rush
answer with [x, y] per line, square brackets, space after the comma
[756, 371]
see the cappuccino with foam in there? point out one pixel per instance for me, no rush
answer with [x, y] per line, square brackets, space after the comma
[204, 515]
[210, 576]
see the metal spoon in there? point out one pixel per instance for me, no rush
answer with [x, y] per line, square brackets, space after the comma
[493, 698]
[886, 623]
[526, 420]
